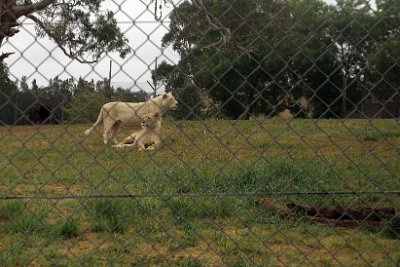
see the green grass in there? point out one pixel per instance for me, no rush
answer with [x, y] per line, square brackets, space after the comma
[68, 228]
[106, 215]
[375, 134]
[11, 209]
[23, 219]
[192, 201]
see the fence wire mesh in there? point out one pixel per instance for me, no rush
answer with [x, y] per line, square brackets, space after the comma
[278, 146]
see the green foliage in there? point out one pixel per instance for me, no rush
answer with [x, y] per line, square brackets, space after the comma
[249, 57]
[85, 105]
[87, 100]
[107, 215]
[26, 221]
[186, 209]
[385, 73]
[187, 94]
[254, 63]
[68, 228]
[84, 31]
[183, 209]
[374, 134]
[13, 255]
[66, 100]
[128, 96]
[188, 262]
[8, 95]
[252, 77]
[11, 209]
[190, 102]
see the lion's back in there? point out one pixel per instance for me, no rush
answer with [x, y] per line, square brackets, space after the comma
[128, 113]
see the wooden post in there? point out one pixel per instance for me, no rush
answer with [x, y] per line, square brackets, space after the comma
[154, 85]
[107, 84]
[155, 79]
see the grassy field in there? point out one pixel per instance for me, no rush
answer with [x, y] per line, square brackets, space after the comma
[187, 210]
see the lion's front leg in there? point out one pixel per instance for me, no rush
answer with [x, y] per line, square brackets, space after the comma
[141, 146]
[156, 142]
[153, 146]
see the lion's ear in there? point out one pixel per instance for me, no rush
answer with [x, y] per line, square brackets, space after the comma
[156, 114]
[164, 95]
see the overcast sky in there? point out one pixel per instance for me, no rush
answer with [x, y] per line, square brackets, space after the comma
[40, 59]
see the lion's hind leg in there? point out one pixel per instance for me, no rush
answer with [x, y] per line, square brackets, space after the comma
[110, 131]
[124, 145]
[127, 142]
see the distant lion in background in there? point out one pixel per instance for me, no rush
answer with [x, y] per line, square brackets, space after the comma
[149, 137]
[114, 115]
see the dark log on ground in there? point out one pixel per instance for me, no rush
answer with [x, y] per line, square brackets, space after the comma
[342, 223]
[345, 213]
[338, 215]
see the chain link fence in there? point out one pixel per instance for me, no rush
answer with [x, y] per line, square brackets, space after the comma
[278, 146]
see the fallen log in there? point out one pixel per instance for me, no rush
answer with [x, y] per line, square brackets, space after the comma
[345, 213]
[342, 223]
[339, 215]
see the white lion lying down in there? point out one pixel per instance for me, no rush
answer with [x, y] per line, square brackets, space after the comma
[114, 115]
[149, 137]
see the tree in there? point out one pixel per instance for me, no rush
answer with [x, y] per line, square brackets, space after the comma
[57, 95]
[23, 85]
[8, 97]
[168, 75]
[217, 53]
[127, 96]
[351, 32]
[256, 56]
[26, 99]
[384, 59]
[85, 104]
[105, 88]
[185, 91]
[81, 29]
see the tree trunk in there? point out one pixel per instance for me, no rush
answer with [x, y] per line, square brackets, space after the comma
[344, 96]
[10, 12]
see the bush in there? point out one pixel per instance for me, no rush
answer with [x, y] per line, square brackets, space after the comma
[85, 106]
[190, 102]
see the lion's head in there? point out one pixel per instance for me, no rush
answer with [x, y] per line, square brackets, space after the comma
[169, 101]
[149, 119]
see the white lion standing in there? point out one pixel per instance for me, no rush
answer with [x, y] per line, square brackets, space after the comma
[114, 115]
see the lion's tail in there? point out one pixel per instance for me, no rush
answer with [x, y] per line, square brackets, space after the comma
[99, 120]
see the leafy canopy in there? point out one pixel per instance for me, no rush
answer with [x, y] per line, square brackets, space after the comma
[81, 29]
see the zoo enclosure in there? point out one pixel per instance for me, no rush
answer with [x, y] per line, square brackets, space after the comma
[239, 64]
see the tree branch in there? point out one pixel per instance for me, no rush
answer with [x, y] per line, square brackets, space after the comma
[214, 23]
[19, 11]
[59, 44]
[5, 55]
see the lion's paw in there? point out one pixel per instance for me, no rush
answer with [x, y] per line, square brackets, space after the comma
[117, 145]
